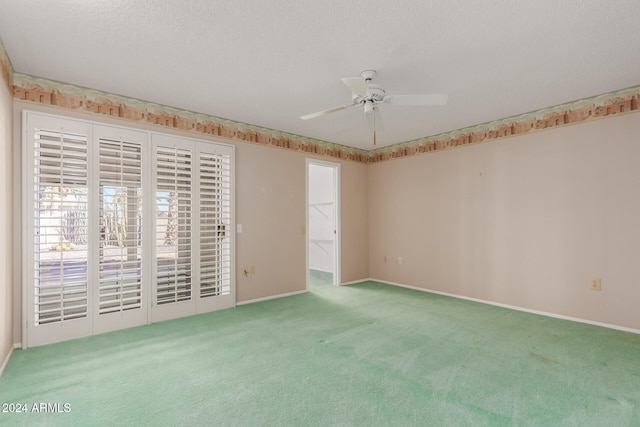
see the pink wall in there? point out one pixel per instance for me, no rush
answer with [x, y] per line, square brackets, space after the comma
[271, 194]
[525, 221]
[270, 202]
[354, 206]
[6, 217]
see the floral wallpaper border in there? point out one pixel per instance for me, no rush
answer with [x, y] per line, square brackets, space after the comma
[610, 104]
[73, 97]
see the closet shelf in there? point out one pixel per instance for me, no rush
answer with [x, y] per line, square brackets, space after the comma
[321, 241]
[317, 208]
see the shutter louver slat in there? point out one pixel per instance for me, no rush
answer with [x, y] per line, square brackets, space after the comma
[173, 225]
[60, 212]
[121, 217]
[215, 200]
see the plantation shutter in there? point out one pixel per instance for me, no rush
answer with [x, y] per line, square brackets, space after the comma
[56, 206]
[173, 225]
[61, 207]
[215, 221]
[193, 227]
[120, 282]
[122, 227]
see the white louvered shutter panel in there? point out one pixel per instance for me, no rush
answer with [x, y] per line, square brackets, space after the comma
[60, 191]
[122, 227]
[121, 216]
[173, 224]
[215, 224]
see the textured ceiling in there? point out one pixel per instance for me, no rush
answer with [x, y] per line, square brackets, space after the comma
[268, 62]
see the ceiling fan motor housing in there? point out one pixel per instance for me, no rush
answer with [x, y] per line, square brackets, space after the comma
[376, 92]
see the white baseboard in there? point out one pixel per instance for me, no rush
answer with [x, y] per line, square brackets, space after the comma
[6, 361]
[512, 307]
[288, 294]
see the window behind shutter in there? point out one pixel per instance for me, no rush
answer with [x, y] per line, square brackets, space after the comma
[120, 212]
[215, 222]
[60, 226]
[173, 224]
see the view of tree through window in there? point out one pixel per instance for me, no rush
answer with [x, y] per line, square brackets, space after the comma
[61, 207]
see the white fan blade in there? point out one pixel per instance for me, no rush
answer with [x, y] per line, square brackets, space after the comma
[374, 119]
[322, 113]
[358, 85]
[426, 99]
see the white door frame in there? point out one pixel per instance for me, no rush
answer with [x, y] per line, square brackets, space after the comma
[336, 207]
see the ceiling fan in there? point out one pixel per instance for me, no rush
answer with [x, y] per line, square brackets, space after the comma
[371, 95]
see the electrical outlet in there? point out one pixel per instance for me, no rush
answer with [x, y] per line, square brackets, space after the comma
[253, 269]
[595, 284]
[400, 260]
[245, 271]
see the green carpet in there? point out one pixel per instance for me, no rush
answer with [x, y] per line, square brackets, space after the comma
[317, 277]
[362, 355]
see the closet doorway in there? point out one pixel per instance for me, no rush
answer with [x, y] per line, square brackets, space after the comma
[323, 223]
